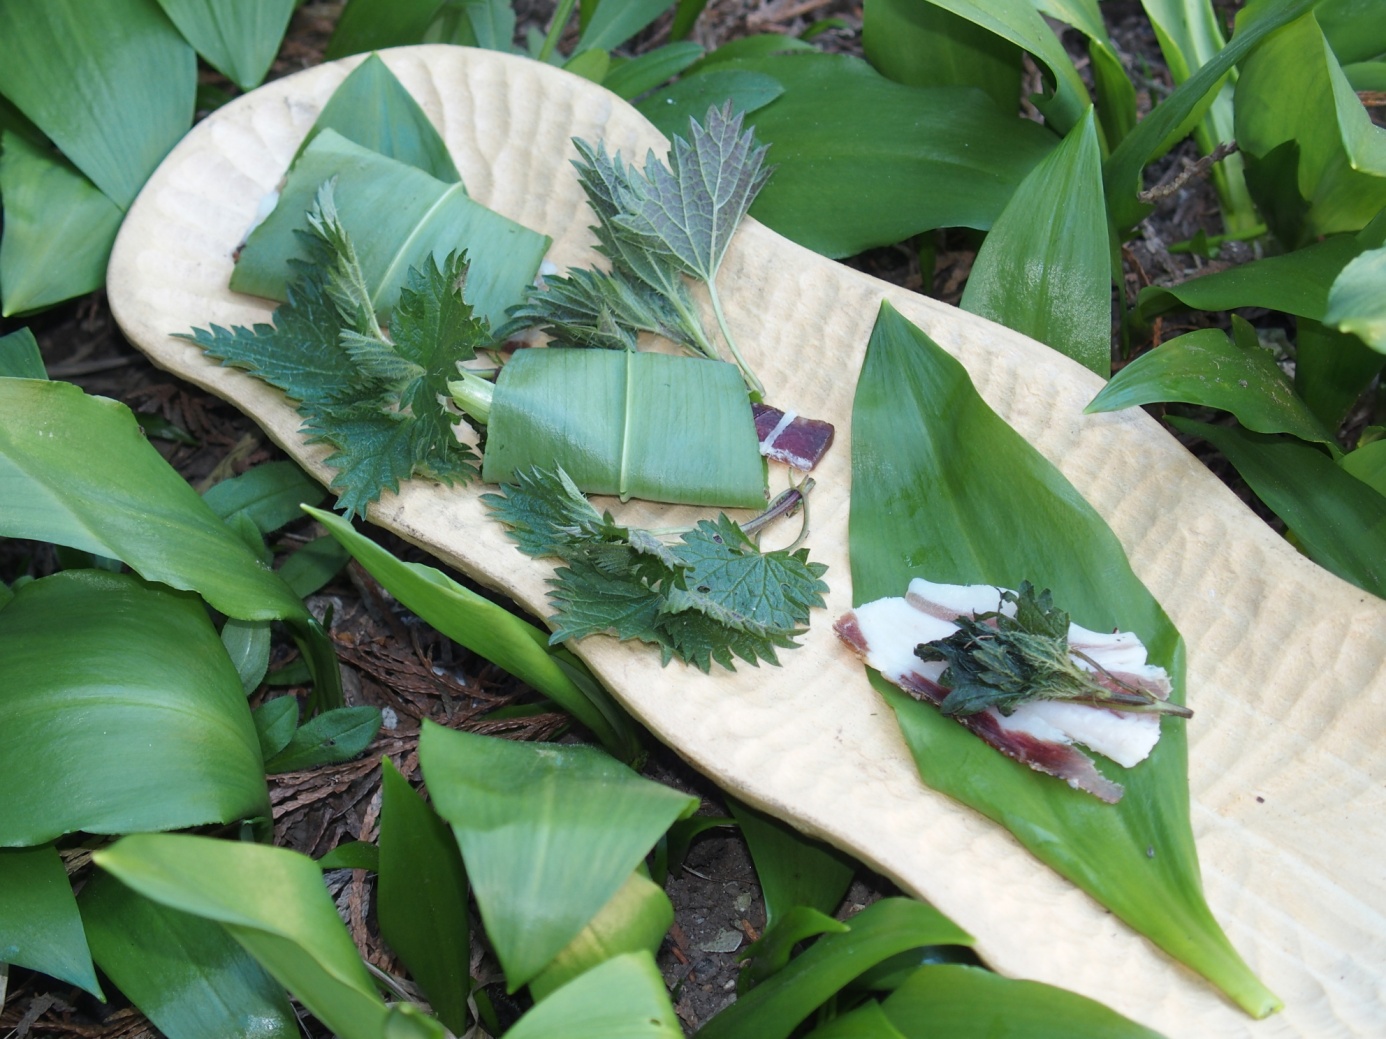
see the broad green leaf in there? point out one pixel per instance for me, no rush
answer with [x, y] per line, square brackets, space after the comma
[475, 23]
[1020, 22]
[919, 427]
[313, 565]
[792, 869]
[616, 21]
[924, 45]
[1357, 300]
[422, 898]
[1355, 29]
[1045, 267]
[336, 735]
[20, 357]
[1366, 75]
[371, 108]
[654, 426]
[1368, 464]
[775, 1007]
[762, 45]
[239, 40]
[769, 954]
[691, 97]
[75, 470]
[1189, 35]
[1332, 369]
[58, 232]
[112, 84]
[1208, 369]
[1122, 172]
[376, 24]
[1116, 96]
[247, 643]
[964, 1002]
[635, 76]
[623, 998]
[272, 901]
[39, 924]
[268, 494]
[636, 919]
[397, 216]
[352, 855]
[1293, 89]
[867, 1021]
[100, 668]
[275, 723]
[590, 65]
[523, 815]
[12, 120]
[934, 157]
[1337, 519]
[185, 973]
[493, 632]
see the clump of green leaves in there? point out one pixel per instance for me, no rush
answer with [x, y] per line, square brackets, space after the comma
[711, 596]
[374, 397]
[1002, 662]
[656, 227]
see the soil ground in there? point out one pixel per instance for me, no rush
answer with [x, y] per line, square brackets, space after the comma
[392, 661]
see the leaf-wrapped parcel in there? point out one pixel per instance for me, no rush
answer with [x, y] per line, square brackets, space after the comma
[629, 423]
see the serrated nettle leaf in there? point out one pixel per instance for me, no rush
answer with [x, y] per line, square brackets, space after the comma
[337, 735]
[1045, 266]
[1357, 300]
[1208, 369]
[58, 230]
[39, 924]
[239, 40]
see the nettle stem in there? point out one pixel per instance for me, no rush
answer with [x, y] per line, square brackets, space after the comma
[473, 395]
[753, 384]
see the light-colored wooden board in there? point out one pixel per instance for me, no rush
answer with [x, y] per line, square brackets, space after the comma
[1287, 664]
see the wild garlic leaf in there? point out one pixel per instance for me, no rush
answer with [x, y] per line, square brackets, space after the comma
[690, 213]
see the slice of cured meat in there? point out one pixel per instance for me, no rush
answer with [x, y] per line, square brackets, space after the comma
[786, 436]
[1039, 733]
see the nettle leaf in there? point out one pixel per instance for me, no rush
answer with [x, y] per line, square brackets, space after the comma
[599, 309]
[591, 601]
[690, 213]
[374, 452]
[546, 512]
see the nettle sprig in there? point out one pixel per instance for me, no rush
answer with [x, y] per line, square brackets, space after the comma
[1001, 661]
[657, 227]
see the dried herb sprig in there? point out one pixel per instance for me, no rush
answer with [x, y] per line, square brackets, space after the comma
[1001, 661]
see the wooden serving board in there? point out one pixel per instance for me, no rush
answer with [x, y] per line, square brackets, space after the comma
[1287, 664]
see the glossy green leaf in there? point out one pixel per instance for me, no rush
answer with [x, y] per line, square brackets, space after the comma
[112, 84]
[636, 919]
[273, 902]
[691, 97]
[475, 23]
[1357, 300]
[934, 157]
[635, 76]
[1208, 369]
[924, 45]
[397, 216]
[1366, 75]
[590, 65]
[1045, 267]
[1355, 29]
[792, 869]
[616, 21]
[422, 898]
[774, 1008]
[971, 1003]
[523, 815]
[313, 565]
[1122, 172]
[493, 632]
[918, 426]
[268, 494]
[655, 426]
[624, 998]
[58, 232]
[247, 643]
[1368, 464]
[39, 924]
[1332, 369]
[20, 357]
[333, 736]
[75, 470]
[1293, 89]
[352, 855]
[371, 108]
[185, 973]
[867, 1021]
[239, 40]
[147, 671]
[1020, 22]
[1116, 96]
[376, 24]
[275, 723]
[1339, 521]
[769, 954]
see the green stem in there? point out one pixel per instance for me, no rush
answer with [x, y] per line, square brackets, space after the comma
[560, 19]
[752, 383]
[473, 395]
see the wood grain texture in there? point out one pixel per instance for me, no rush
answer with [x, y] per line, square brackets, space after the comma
[1286, 665]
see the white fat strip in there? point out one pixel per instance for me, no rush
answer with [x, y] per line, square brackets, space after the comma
[786, 420]
[891, 628]
[1124, 737]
